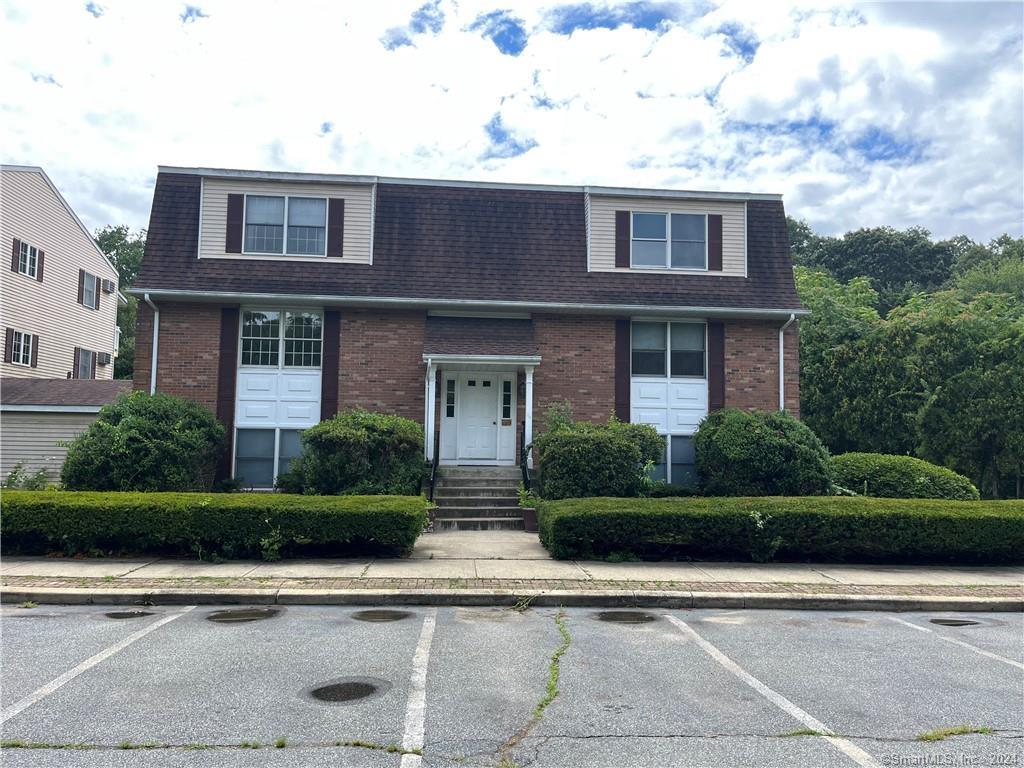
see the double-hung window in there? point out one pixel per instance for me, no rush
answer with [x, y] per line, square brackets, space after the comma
[22, 345]
[668, 349]
[669, 240]
[86, 362]
[280, 225]
[28, 260]
[90, 291]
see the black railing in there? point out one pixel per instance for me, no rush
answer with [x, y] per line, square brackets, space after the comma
[436, 437]
[524, 457]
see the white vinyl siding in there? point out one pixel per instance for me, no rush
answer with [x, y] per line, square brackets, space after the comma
[31, 212]
[358, 215]
[601, 228]
[39, 440]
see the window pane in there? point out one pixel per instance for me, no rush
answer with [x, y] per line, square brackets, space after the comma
[254, 458]
[648, 253]
[85, 363]
[687, 363]
[302, 346]
[687, 357]
[688, 255]
[89, 291]
[649, 336]
[306, 241]
[687, 336]
[649, 340]
[306, 212]
[649, 225]
[260, 338]
[648, 363]
[291, 448]
[264, 210]
[688, 226]
[683, 471]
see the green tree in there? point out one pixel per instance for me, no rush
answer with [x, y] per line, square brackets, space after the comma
[802, 241]
[124, 248]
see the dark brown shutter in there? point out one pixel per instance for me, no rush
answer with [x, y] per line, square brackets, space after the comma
[35, 351]
[92, 373]
[335, 227]
[39, 266]
[16, 255]
[81, 286]
[227, 371]
[74, 369]
[622, 368]
[716, 365]
[622, 239]
[233, 237]
[9, 345]
[329, 364]
[714, 242]
[97, 287]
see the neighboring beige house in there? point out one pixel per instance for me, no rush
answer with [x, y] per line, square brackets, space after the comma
[58, 291]
[41, 416]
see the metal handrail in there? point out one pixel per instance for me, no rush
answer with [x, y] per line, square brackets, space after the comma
[436, 437]
[524, 457]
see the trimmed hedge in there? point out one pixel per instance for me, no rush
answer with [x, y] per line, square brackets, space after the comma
[826, 528]
[900, 477]
[224, 525]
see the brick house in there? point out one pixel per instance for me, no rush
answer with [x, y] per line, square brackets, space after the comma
[277, 299]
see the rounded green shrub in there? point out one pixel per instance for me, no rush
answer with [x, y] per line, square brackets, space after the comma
[144, 442]
[753, 453]
[900, 477]
[359, 452]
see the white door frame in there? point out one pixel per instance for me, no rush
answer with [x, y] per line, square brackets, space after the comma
[461, 388]
[451, 426]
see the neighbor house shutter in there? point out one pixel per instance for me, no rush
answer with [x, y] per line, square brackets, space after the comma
[92, 373]
[336, 227]
[235, 225]
[329, 364]
[716, 365]
[35, 351]
[39, 266]
[9, 345]
[97, 290]
[81, 285]
[622, 369]
[715, 242]
[227, 370]
[622, 239]
[74, 369]
[15, 255]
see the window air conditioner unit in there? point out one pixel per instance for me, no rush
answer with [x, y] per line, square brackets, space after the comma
[103, 358]
[108, 286]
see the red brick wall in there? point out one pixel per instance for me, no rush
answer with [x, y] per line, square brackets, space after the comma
[752, 366]
[577, 364]
[381, 366]
[188, 352]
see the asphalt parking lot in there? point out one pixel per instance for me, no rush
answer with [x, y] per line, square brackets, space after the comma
[500, 687]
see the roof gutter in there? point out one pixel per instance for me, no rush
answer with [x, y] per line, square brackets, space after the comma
[782, 361]
[156, 342]
[478, 305]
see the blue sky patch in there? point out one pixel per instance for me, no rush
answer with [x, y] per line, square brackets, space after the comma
[95, 9]
[740, 40]
[326, 127]
[813, 130]
[46, 79]
[503, 144]
[504, 30]
[880, 146]
[192, 13]
[566, 19]
[427, 18]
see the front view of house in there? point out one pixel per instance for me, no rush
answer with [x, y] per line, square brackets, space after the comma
[278, 299]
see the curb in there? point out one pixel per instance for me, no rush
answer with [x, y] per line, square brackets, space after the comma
[508, 597]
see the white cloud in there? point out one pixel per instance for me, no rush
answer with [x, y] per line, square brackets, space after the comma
[862, 114]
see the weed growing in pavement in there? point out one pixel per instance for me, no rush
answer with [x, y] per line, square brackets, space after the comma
[140, 745]
[958, 730]
[507, 762]
[250, 745]
[281, 743]
[28, 604]
[198, 745]
[523, 603]
[800, 732]
[22, 744]
[554, 667]
[392, 748]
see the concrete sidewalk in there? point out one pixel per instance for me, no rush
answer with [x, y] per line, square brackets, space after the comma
[479, 567]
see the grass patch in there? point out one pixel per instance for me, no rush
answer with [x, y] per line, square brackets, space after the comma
[281, 743]
[957, 730]
[28, 604]
[800, 732]
[22, 744]
[250, 745]
[554, 668]
[140, 745]
[391, 748]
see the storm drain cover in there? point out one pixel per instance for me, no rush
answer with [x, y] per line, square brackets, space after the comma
[348, 690]
[380, 614]
[625, 617]
[127, 614]
[954, 622]
[240, 615]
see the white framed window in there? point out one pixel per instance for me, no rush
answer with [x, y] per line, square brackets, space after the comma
[28, 260]
[281, 339]
[669, 240]
[22, 345]
[90, 290]
[677, 465]
[285, 225]
[86, 360]
[261, 455]
[668, 349]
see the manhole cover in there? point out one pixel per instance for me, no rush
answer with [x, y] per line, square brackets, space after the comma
[380, 614]
[954, 622]
[348, 690]
[240, 615]
[127, 614]
[625, 617]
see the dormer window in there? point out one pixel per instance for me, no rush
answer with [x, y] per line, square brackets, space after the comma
[267, 219]
[673, 241]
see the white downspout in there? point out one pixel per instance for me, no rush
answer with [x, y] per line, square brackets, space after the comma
[528, 415]
[429, 395]
[156, 342]
[782, 361]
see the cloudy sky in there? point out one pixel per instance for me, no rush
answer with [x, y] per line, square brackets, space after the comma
[860, 114]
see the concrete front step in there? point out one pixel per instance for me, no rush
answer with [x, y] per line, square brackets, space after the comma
[478, 512]
[478, 524]
[476, 501]
[481, 473]
[475, 492]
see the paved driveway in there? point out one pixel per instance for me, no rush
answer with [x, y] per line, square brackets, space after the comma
[464, 685]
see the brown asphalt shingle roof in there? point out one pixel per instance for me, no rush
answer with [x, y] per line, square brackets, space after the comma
[444, 243]
[58, 392]
[479, 336]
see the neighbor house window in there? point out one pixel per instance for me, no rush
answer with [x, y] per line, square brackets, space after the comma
[90, 290]
[674, 241]
[22, 345]
[262, 455]
[86, 364]
[266, 334]
[296, 226]
[28, 260]
[668, 349]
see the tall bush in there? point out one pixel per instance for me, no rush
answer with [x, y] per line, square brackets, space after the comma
[144, 442]
[741, 453]
[900, 477]
[359, 452]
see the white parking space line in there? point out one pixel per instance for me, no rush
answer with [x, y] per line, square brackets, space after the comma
[961, 643]
[23, 704]
[847, 747]
[415, 710]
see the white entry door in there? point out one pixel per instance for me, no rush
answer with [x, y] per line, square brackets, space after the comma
[478, 417]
